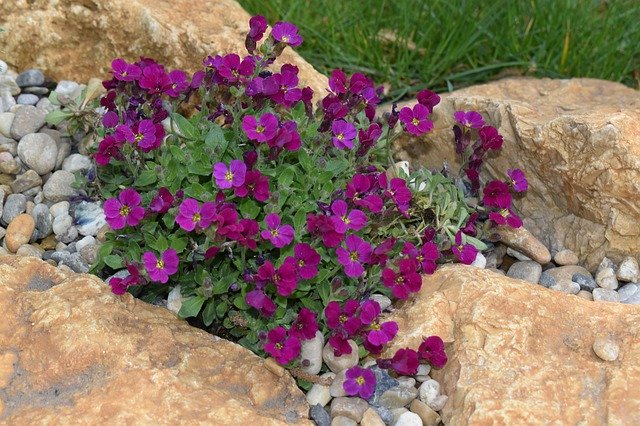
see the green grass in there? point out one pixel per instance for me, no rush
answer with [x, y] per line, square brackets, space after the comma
[448, 44]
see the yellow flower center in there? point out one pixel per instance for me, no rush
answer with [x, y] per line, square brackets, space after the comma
[340, 137]
[353, 256]
[400, 280]
[504, 213]
[285, 39]
[160, 264]
[360, 380]
[301, 263]
[274, 233]
[259, 129]
[196, 218]
[278, 345]
[415, 121]
[375, 326]
[346, 220]
[228, 176]
[343, 318]
[139, 137]
[124, 210]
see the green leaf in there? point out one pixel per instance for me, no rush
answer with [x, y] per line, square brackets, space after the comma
[286, 176]
[300, 219]
[209, 312]
[215, 139]
[179, 244]
[240, 303]
[147, 177]
[161, 244]
[306, 161]
[221, 308]
[250, 209]
[56, 117]
[191, 306]
[476, 242]
[113, 261]
[185, 128]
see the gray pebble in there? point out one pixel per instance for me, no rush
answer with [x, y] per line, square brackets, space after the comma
[627, 291]
[32, 77]
[27, 99]
[3, 67]
[584, 281]
[72, 260]
[42, 218]
[46, 105]
[61, 223]
[606, 349]
[350, 407]
[70, 236]
[27, 119]
[384, 382]
[397, 397]
[546, 280]
[58, 187]
[526, 270]
[7, 101]
[6, 121]
[514, 253]
[320, 415]
[58, 209]
[66, 87]
[566, 286]
[311, 349]
[628, 271]
[15, 205]
[36, 90]
[24, 182]
[8, 85]
[38, 151]
[77, 162]
[605, 295]
[606, 278]
[385, 414]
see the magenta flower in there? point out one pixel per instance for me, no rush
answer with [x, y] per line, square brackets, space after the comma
[415, 120]
[432, 350]
[255, 184]
[338, 82]
[343, 319]
[369, 311]
[490, 138]
[321, 226]
[159, 270]
[232, 69]
[404, 282]
[287, 33]
[124, 71]
[358, 190]
[177, 83]
[284, 278]
[428, 99]
[260, 130]
[154, 79]
[233, 176]
[279, 235]
[426, 256]
[505, 216]
[124, 210]
[517, 180]
[287, 137]
[344, 220]
[257, 27]
[305, 326]
[381, 334]
[405, 362]
[119, 285]
[145, 134]
[108, 148]
[110, 119]
[162, 202]
[307, 260]
[259, 300]
[191, 215]
[343, 134]
[466, 253]
[359, 381]
[282, 347]
[471, 119]
[357, 252]
[340, 345]
[496, 194]
[400, 194]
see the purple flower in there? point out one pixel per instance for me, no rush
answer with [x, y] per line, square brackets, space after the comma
[406, 281]
[124, 210]
[259, 300]
[505, 216]
[282, 347]
[305, 325]
[432, 350]
[344, 220]
[260, 130]
[343, 134]
[428, 99]
[279, 236]
[255, 184]
[287, 137]
[232, 69]
[357, 252]
[517, 180]
[490, 138]
[284, 278]
[233, 176]
[257, 27]
[415, 120]
[466, 253]
[287, 33]
[162, 202]
[177, 83]
[125, 72]
[108, 148]
[359, 381]
[110, 119]
[343, 320]
[399, 192]
[307, 260]
[471, 119]
[496, 194]
[191, 214]
[154, 79]
[160, 269]
[381, 334]
[405, 362]
[119, 285]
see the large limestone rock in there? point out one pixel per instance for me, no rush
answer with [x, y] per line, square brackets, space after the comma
[522, 354]
[73, 353]
[578, 142]
[71, 39]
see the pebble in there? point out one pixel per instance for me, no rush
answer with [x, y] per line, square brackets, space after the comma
[8, 145]
[319, 415]
[423, 372]
[85, 242]
[385, 414]
[562, 273]
[628, 271]
[566, 257]
[409, 419]
[606, 348]
[429, 391]
[439, 403]
[6, 121]
[13, 206]
[426, 414]
[49, 242]
[24, 182]
[89, 217]
[371, 418]
[343, 421]
[336, 389]
[382, 300]
[36, 90]
[27, 99]
[319, 394]
[311, 354]
[585, 281]
[585, 295]
[66, 87]
[58, 187]
[3, 67]
[384, 382]
[30, 77]
[72, 260]
[42, 218]
[59, 209]
[480, 261]
[526, 270]
[634, 299]
[90, 253]
[525, 242]
[495, 256]
[64, 149]
[46, 105]
[546, 280]
[397, 412]
[351, 407]
[29, 250]
[514, 253]
[38, 151]
[77, 162]
[61, 224]
[19, 232]
[9, 165]
[397, 397]
[605, 295]
[606, 278]
[339, 363]
[627, 291]
[27, 119]
[68, 237]
[407, 382]
[566, 286]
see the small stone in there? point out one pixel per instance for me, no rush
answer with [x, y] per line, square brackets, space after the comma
[61, 208]
[397, 412]
[628, 271]
[382, 300]
[319, 394]
[562, 273]
[585, 295]
[311, 354]
[627, 291]
[584, 281]
[61, 224]
[64, 149]
[606, 348]
[385, 414]
[566, 286]
[384, 382]
[86, 241]
[634, 299]
[73, 260]
[13, 206]
[409, 419]
[30, 77]
[439, 403]
[38, 151]
[495, 256]
[70, 236]
[46, 105]
[339, 363]
[426, 414]
[566, 257]
[66, 87]
[102, 233]
[606, 278]
[89, 217]
[3, 67]
[343, 421]
[58, 187]
[527, 270]
[423, 372]
[28, 119]
[36, 90]
[605, 295]
[174, 299]
[6, 121]
[8, 145]
[42, 217]
[398, 397]
[90, 253]
[480, 261]
[429, 391]
[352, 407]
[371, 418]
[319, 415]
[606, 263]
[515, 253]
[29, 250]
[48, 243]
[9, 166]
[336, 390]
[29, 179]
[77, 162]
[19, 232]
[407, 382]
[27, 99]
[525, 242]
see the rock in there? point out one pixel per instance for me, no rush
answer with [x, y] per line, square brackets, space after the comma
[397, 412]
[397, 397]
[123, 349]
[495, 256]
[605, 295]
[409, 419]
[336, 390]
[48, 243]
[8, 145]
[563, 273]
[19, 232]
[84, 242]
[382, 300]
[9, 166]
[27, 119]
[61, 224]
[319, 394]
[339, 363]
[527, 270]
[15, 205]
[64, 149]
[311, 353]
[371, 418]
[77, 162]
[385, 414]
[606, 349]
[343, 421]
[423, 372]
[352, 408]
[429, 391]
[480, 261]
[628, 271]
[6, 121]
[29, 179]
[520, 351]
[179, 35]
[39, 152]
[69, 236]
[27, 99]
[627, 291]
[525, 242]
[514, 253]
[46, 105]
[174, 299]
[384, 382]
[585, 295]
[42, 218]
[405, 381]
[58, 209]
[566, 257]
[426, 414]
[72, 260]
[320, 415]
[58, 187]
[439, 402]
[29, 250]
[584, 199]
[606, 278]
[36, 90]
[89, 217]
[66, 88]
[90, 253]
[566, 287]
[30, 77]
[585, 281]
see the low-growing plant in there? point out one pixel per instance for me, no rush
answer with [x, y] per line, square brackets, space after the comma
[276, 220]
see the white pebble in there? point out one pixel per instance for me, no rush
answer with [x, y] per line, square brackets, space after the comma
[174, 299]
[59, 208]
[429, 391]
[606, 348]
[409, 419]
[61, 224]
[480, 261]
[438, 403]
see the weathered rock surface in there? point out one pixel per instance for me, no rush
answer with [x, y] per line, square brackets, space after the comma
[73, 353]
[77, 40]
[576, 140]
[518, 351]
